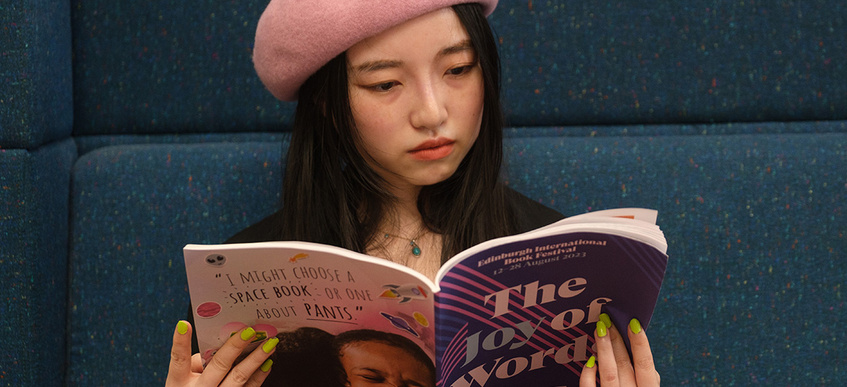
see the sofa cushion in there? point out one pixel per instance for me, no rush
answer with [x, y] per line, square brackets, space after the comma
[34, 191]
[753, 223]
[133, 209]
[36, 102]
[756, 239]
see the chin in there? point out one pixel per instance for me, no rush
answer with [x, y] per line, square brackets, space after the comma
[436, 177]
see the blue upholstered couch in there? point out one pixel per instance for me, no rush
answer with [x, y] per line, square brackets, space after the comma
[128, 129]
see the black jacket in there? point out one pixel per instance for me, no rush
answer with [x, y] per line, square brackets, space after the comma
[530, 215]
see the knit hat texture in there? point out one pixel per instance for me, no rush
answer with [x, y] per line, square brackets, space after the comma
[294, 38]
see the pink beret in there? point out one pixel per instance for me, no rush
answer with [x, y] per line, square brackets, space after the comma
[294, 38]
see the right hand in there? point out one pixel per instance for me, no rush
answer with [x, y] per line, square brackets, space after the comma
[187, 370]
[613, 365]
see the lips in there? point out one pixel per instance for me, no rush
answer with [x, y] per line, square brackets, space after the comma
[433, 149]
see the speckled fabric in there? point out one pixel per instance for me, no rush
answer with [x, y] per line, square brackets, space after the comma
[756, 237]
[729, 117]
[151, 67]
[134, 208]
[90, 143]
[626, 62]
[36, 105]
[34, 192]
[165, 66]
[753, 223]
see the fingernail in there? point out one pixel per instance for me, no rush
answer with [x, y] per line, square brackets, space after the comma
[606, 319]
[182, 327]
[266, 366]
[635, 326]
[601, 329]
[247, 334]
[270, 345]
[590, 362]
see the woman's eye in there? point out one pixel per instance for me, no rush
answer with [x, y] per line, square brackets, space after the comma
[386, 86]
[459, 70]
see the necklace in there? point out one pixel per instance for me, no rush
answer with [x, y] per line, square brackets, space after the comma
[416, 249]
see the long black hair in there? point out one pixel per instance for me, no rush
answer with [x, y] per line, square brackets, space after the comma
[331, 195]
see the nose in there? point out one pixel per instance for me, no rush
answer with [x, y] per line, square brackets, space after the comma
[429, 110]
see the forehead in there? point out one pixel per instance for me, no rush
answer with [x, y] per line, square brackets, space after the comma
[424, 35]
[363, 350]
[384, 359]
[371, 353]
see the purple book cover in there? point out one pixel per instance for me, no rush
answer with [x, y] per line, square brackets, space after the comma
[524, 313]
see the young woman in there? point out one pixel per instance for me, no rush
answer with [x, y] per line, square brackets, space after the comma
[395, 152]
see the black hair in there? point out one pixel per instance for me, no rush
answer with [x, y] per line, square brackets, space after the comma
[331, 195]
[303, 357]
[408, 346]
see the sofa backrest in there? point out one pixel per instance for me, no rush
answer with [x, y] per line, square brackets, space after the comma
[129, 129]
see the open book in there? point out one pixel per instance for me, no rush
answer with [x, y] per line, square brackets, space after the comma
[518, 309]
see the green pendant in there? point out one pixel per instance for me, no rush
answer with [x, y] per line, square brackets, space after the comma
[416, 251]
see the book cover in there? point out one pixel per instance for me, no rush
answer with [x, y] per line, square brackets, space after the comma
[519, 309]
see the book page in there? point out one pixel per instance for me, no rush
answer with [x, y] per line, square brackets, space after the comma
[278, 287]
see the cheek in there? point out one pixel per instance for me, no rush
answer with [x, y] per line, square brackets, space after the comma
[475, 108]
[476, 101]
[371, 116]
[374, 127]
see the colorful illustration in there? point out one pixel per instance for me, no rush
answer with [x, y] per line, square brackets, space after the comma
[216, 260]
[298, 257]
[421, 319]
[405, 293]
[208, 309]
[400, 323]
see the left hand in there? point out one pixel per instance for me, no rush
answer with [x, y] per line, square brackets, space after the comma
[613, 363]
[186, 370]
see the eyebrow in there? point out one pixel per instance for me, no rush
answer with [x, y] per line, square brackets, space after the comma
[376, 65]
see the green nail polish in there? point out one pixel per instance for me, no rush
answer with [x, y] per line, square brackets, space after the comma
[266, 366]
[247, 334]
[182, 327]
[635, 326]
[270, 345]
[601, 329]
[590, 362]
[606, 319]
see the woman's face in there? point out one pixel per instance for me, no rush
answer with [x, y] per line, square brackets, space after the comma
[416, 93]
[373, 363]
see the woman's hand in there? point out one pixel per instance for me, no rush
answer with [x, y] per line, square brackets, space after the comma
[187, 370]
[612, 361]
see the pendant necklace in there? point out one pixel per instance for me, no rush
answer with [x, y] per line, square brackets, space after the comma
[416, 249]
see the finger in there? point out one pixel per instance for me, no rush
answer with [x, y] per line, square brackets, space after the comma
[259, 376]
[588, 377]
[179, 369]
[196, 363]
[626, 374]
[606, 365]
[642, 357]
[250, 369]
[222, 362]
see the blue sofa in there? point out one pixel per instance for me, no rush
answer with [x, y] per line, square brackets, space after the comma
[128, 129]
